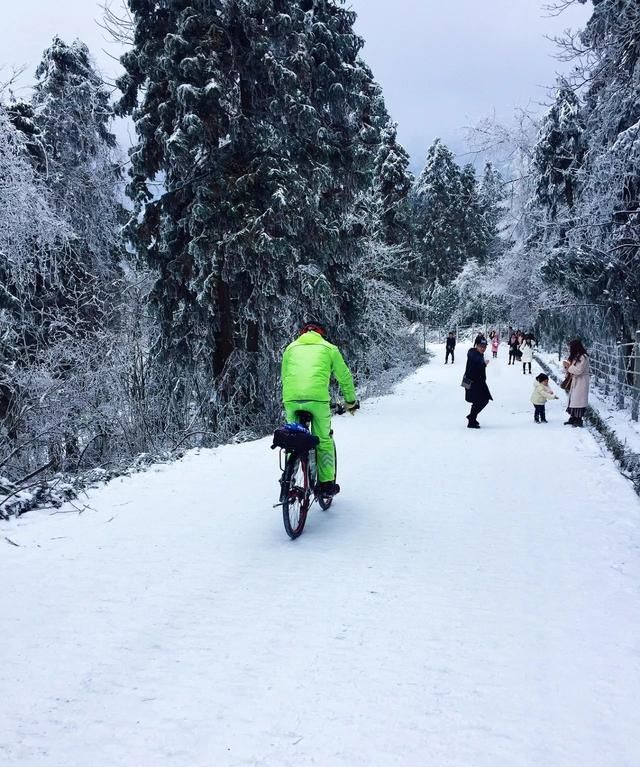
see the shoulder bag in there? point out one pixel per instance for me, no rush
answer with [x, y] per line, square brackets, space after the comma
[566, 384]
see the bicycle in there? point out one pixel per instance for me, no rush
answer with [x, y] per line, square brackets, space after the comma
[299, 480]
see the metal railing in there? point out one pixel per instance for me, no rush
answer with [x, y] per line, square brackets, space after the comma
[615, 371]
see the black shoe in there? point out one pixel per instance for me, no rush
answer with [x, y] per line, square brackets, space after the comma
[473, 425]
[578, 422]
[570, 422]
[536, 420]
[327, 489]
[544, 420]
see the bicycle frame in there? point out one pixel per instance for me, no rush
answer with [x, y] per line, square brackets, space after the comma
[296, 498]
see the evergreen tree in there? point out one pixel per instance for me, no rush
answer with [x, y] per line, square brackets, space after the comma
[474, 234]
[393, 182]
[22, 116]
[71, 116]
[437, 199]
[69, 294]
[257, 115]
[558, 154]
[494, 208]
[64, 135]
[585, 209]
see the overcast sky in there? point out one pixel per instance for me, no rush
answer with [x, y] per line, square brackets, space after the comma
[443, 64]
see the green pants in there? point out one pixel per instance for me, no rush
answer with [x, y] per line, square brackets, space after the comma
[321, 427]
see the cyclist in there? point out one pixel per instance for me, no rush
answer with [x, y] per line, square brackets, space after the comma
[307, 366]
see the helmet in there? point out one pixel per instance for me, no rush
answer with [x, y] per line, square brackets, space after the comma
[315, 325]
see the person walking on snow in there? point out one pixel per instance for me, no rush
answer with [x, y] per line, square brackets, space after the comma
[478, 393]
[513, 349]
[307, 366]
[526, 350]
[541, 394]
[451, 346]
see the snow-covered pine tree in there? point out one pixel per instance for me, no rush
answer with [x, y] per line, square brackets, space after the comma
[437, 199]
[376, 298]
[593, 169]
[393, 182]
[64, 132]
[22, 116]
[493, 205]
[474, 233]
[72, 115]
[558, 156]
[254, 114]
[67, 292]
[175, 85]
[604, 260]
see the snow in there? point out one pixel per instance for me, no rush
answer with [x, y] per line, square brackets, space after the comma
[470, 600]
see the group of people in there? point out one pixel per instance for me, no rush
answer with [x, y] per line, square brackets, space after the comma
[521, 346]
[309, 363]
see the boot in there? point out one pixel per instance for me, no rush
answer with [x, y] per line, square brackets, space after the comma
[578, 422]
[570, 422]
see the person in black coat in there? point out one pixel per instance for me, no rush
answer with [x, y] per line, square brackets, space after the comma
[451, 345]
[478, 393]
[513, 348]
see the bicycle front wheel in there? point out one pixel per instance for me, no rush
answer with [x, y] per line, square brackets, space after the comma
[295, 505]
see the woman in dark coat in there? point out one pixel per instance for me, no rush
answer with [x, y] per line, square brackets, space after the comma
[513, 348]
[476, 372]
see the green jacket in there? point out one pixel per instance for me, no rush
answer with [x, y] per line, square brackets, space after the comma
[307, 366]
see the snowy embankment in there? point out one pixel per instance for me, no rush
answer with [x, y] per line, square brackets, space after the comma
[470, 600]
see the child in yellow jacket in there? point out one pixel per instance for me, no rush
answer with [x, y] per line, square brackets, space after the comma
[541, 394]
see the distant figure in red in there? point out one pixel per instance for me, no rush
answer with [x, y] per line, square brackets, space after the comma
[495, 342]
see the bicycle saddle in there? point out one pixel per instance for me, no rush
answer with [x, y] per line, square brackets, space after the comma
[304, 416]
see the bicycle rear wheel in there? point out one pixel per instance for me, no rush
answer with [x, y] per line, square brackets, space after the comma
[324, 501]
[295, 504]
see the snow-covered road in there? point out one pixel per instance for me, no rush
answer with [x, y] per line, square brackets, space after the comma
[471, 600]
